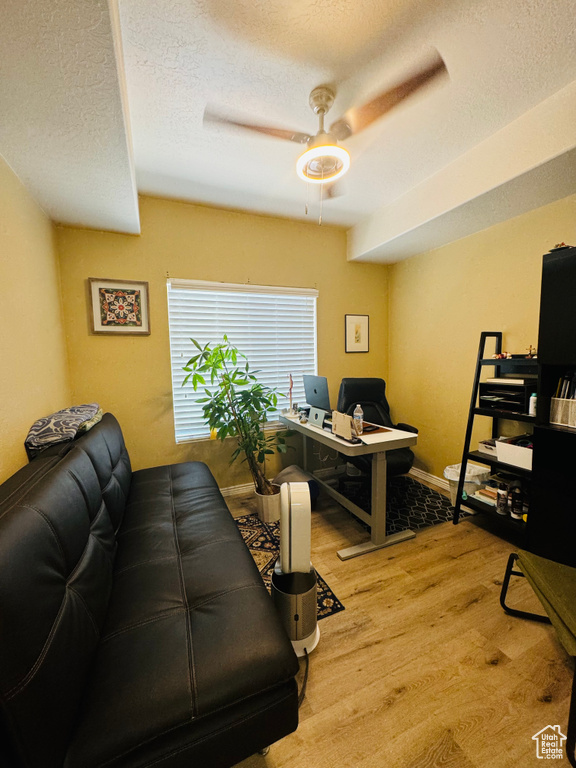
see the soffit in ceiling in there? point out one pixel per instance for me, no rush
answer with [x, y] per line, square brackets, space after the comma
[64, 127]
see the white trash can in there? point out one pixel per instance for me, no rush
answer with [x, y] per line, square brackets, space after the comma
[476, 477]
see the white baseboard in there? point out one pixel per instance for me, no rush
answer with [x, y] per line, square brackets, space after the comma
[440, 482]
[418, 474]
[237, 490]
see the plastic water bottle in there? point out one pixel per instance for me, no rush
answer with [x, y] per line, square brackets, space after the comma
[502, 499]
[358, 419]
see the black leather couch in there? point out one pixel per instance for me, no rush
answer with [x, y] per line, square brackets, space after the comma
[135, 629]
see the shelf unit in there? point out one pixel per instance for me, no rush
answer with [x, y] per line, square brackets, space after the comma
[552, 519]
[516, 365]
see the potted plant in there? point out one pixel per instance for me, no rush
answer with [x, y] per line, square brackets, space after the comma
[237, 405]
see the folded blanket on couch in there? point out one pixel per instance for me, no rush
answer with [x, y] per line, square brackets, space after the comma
[60, 427]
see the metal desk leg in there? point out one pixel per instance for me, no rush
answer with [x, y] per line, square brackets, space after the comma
[378, 526]
[378, 538]
[305, 453]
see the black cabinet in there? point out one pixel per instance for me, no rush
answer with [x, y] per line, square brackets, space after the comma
[557, 330]
[552, 530]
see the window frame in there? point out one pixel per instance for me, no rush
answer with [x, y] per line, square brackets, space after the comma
[232, 288]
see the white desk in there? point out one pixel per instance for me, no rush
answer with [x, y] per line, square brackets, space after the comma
[395, 438]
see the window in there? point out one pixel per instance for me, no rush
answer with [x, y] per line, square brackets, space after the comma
[274, 327]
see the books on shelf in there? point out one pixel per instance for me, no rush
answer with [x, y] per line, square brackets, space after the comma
[566, 389]
[479, 496]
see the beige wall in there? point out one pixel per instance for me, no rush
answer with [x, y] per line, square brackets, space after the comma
[130, 376]
[33, 369]
[440, 302]
[426, 315]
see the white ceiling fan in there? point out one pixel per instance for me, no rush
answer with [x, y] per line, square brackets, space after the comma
[324, 160]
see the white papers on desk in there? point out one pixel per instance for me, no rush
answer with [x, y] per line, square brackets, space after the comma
[383, 437]
[377, 437]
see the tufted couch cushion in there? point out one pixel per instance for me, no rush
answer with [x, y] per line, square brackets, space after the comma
[136, 629]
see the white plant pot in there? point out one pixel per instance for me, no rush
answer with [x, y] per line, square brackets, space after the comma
[268, 506]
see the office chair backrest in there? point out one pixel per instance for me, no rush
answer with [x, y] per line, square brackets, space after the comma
[371, 394]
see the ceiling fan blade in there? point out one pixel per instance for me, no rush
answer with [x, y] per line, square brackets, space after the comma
[278, 133]
[358, 118]
[333, 190]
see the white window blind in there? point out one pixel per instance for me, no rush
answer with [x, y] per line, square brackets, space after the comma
[274, 327]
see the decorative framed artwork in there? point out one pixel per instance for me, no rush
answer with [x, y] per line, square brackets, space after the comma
[119, 306]
[356, 333]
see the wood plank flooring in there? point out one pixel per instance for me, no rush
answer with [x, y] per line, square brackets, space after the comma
[423, 669]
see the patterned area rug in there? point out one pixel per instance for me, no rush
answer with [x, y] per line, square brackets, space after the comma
[409, 503]
[263, 541]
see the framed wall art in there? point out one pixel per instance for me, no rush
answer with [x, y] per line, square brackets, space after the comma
[356, 333]
[119, 306]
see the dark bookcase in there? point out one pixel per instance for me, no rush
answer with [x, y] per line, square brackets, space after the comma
[551, 531]
[557, 331]
[511, 405]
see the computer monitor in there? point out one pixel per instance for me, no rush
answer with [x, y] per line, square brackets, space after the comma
[316, 391]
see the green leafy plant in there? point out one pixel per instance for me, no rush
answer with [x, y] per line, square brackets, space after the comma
[236, 405]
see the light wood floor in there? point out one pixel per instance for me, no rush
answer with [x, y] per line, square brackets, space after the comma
[423, 668]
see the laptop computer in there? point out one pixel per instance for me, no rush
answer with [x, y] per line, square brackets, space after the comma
[316, 392]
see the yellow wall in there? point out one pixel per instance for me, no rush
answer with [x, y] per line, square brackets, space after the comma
[33, 368]
[440, 301]
[130, 376]
[426, 315]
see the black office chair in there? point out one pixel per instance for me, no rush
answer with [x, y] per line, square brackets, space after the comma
[371, 395]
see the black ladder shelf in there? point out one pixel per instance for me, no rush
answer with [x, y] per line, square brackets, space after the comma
[513, 365]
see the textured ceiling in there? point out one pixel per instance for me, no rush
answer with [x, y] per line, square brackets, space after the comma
[257, 60]
[65, 65]
[63, 128]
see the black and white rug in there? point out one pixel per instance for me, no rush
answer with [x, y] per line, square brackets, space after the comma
[263, 541]
[409, 503]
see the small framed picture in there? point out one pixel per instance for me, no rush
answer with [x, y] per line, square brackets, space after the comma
[356, 333]
[119, 306]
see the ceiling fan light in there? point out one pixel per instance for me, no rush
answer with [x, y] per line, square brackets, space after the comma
[321, 164]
